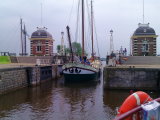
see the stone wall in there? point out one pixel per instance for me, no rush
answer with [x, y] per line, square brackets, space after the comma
[43, 59]
[54, 73]
[33, 76]
[15, 78]
[132, 78]
[12, 79]
[33, 59]
[39, 74]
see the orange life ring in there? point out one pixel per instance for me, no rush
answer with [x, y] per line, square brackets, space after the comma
[132, 101]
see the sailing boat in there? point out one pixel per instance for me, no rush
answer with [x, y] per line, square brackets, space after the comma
[79, 70]
[94, 60]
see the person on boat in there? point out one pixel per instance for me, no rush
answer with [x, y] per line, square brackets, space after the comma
[87, 61]
[120, 61]
[125, 52]
[80, 58]
[84, 59]
[107, 59]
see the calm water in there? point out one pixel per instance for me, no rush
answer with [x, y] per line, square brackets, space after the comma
[58, 101]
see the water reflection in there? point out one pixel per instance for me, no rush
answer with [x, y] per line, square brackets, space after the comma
[59, 101]
[56, 100]
[26, 102]
[114, 98]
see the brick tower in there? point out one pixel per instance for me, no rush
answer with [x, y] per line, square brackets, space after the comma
[41, 43]
[143, 41]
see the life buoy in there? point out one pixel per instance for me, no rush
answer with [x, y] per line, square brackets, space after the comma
[132, 101]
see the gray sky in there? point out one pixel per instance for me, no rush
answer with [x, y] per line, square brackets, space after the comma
[122, 16]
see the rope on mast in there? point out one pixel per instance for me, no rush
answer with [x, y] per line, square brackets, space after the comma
[77, 22]
[70, 12]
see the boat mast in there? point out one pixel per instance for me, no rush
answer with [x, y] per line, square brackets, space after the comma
[92, 28]
[143, 11]
[21, 36]
[25, 47]
[70, 44]
[82, 28]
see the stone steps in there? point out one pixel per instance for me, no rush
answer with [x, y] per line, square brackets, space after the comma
[13, 59]
[143, 60]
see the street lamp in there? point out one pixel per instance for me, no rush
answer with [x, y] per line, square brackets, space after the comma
[111, 42]
[111, 31]
[62, 43]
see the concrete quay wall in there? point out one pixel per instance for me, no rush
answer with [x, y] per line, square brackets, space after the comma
[132, 78]
[15, 78]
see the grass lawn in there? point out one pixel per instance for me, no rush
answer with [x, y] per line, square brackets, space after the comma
[4, 60]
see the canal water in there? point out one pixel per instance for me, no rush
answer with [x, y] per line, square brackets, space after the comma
[55, 100]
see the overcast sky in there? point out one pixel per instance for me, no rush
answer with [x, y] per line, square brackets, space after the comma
[122, 16]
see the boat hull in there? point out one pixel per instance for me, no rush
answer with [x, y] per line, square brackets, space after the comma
[76, 72]
[80, 77]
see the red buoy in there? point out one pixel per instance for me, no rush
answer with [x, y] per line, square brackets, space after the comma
[132, 101]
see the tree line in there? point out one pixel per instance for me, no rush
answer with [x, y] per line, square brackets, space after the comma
[76, 47]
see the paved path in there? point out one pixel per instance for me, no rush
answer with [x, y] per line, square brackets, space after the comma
[143, 60]
[18, 65]
[137, 66]
[15, 65]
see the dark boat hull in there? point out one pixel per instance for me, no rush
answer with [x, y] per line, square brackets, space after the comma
[77, 72]
[80, 77]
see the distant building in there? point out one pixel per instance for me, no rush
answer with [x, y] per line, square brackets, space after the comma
[41, 43]
[143, 41]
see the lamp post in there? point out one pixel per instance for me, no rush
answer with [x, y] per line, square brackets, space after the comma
[62, 44]
[111, 41]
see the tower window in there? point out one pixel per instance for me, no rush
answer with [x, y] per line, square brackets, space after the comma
[145, 48]
[39, 48]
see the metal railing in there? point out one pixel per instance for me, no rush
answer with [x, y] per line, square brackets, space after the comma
[131, 112]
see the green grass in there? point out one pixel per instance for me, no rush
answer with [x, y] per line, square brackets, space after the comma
[5, 60]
